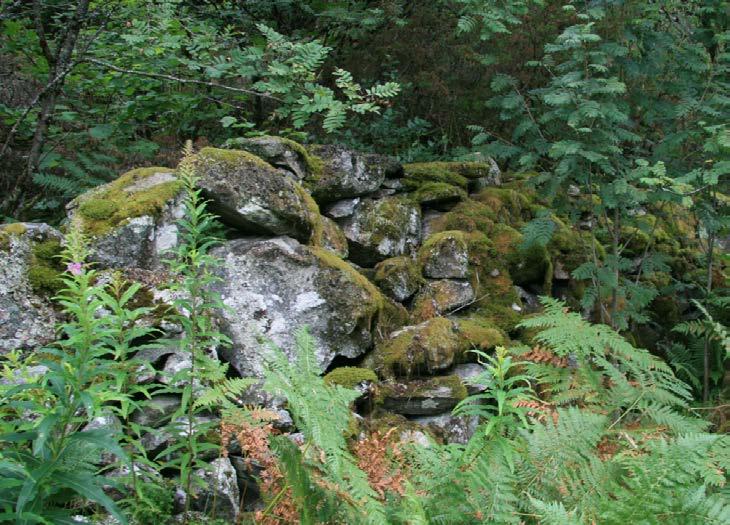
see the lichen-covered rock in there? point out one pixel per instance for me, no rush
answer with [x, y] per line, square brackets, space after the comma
[254, 197]
[279, 152]
[382, 228]
[452, 429]
[422, 396]
[343, 208]
[219, 494]
[345, 173]
[439, 195]
[445, 255]
[331, 237]
[424, 348]
[398, 277]
[441, 297]
[132, 220]
[273, 287]
[28, 275]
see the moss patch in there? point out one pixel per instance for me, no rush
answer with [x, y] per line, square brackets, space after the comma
[15, 228]
[438, 194]
[468, 216]
[423, 388]
[115, 203]
[45, 268]
[350, 376]
[509, 206]
[418, 174]
[481, 333]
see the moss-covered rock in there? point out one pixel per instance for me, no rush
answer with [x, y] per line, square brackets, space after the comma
[132, 219]
[281, 153]
[29, 272]
[350, 376]
[45, 268]
[480, 333]
[510, 206]
[419, 174]
[382, 228]
[345, 173]
[467, 216]
[398, 277]
[422, 349]
[252, 196]
[445, 255]
[328, 235]
[143, 192]
[440, 297]
[434, 395]
[439, 195]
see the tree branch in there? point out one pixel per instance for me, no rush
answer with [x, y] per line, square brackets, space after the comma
[172, 78]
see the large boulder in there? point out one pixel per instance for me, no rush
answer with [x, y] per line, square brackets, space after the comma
[132, 220]
[382, 228]
[28, 275]
[344, 173]
[254, 197]
[275, 286]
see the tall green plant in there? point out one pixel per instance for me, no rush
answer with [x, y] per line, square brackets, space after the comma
[48, 460]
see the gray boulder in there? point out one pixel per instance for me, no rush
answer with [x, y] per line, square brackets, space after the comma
[254, 197]
[445, 255]
[26, 318]
[345, 173]
[273, 287]
[132, 220]
[382, 228]
[453, 429]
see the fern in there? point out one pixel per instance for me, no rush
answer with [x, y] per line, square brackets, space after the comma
[322, 412]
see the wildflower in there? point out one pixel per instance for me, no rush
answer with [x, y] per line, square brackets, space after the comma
[75, 268]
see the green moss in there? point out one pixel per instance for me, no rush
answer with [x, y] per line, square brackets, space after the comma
[481, 333]
[418, 174]
[431, 245]
[388, 267]
[419, 349]
[15, 228]
[510, 206]
[114, 204]
[45, 268]
[234, 157]
[350, 376]
[315, 164]
[469, 216]
[44, 279]
[98, 209]
[490, 277]
[438, 192]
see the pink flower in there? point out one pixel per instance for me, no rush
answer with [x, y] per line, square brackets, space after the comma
[75, 268]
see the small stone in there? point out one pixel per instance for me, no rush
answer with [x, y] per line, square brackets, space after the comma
[398, 277]
[494, 273]
[559, 272]
[342, 209]
[422, 396]
[445, 256]
[440, 297]
[516, 307]
[453, 429]
[382, 228]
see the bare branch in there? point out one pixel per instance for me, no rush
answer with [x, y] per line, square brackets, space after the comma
[172, 78]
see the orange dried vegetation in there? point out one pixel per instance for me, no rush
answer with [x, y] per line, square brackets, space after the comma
[373, 454]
